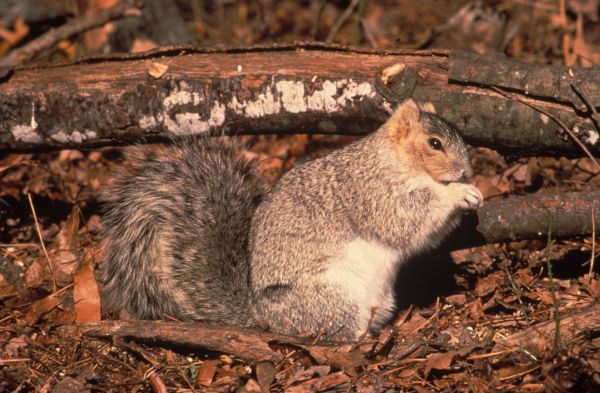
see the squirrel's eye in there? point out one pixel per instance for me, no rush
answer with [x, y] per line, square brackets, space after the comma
[435, 144]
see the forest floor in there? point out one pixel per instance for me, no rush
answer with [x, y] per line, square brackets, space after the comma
[475, 320]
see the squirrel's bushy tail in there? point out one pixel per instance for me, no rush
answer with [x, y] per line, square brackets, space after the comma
[176, 230]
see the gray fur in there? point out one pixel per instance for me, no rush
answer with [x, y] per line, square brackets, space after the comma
[187, 236]
[369, 191]
[176, 234]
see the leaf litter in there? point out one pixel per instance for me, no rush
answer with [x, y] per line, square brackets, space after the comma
[445, 341]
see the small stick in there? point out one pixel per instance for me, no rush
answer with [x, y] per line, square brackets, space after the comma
[156, 383]
[584, 96]
[323, 330]
[356, 33]
[26, 52]
[338, 24]
[39, 232]
[17, 245]
[315, 28]
[4, 362]
[369, 34]
[550, 115]
[491, 354]
[593, 242]
[557, 345]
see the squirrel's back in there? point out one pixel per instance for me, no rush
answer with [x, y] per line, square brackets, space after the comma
[165, 225]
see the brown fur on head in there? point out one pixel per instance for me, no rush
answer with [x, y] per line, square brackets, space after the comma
[431, 145]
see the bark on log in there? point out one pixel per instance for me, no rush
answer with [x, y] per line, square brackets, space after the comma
[249, 344]
[311, 88]
[255, 345]
[540, 339]
[567, 214]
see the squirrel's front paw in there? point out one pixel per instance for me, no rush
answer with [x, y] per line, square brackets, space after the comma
[467, 195]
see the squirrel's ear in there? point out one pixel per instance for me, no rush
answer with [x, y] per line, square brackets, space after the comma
[404, 120]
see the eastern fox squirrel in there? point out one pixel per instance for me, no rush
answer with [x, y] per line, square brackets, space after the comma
[197, 235]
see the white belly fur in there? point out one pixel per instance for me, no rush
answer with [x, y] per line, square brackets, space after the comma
[366, 271]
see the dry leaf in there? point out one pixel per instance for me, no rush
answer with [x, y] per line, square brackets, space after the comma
[157, 384]
[157, 70]
[86, 294]
[345, 357]
[476, 310]
[40, 308]
[486, 285]
[300, 374]
[320, 384]
[265, 373]
[142, 45]
[11, 349]
[251, 387]
[206, 372]
[61, 250]
[36, 273]
[523, 174]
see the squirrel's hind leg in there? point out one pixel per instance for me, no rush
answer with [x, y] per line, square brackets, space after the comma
[308, 307]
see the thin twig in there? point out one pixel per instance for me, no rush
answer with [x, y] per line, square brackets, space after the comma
[491, 354]
[517, 292]
[17, 245]
[4, 362]
[585, 97]
[39, 232]
[356, 33]
[156, 382]
[49, 39]
[369, 34]
[593, 242]
[526, 352]
[537, 4]
[338, 24]
[323, 330]
[550, 115]
[317, 21]
[553, 292]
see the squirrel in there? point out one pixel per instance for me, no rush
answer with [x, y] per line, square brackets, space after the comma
[196, 233]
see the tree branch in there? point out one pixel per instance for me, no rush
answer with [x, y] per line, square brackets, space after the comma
[78, 25]
[569, 214]
[312, 88]
[253, 344]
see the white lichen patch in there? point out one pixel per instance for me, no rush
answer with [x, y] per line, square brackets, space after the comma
[591, 137]
[192, 123]
[292, 97]
[147, 122]
[351, 89]
[181, 96]
[266, 104]
[25, 133]
[277, 96]
[33, 123]
[75, 136]
[324, 99]
[588, 136]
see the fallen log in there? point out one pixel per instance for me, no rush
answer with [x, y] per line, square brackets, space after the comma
[567, 214]
[540, 339]
[311, 88]
[249, 344]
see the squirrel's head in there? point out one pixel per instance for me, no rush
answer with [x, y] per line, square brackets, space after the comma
[429, 143]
